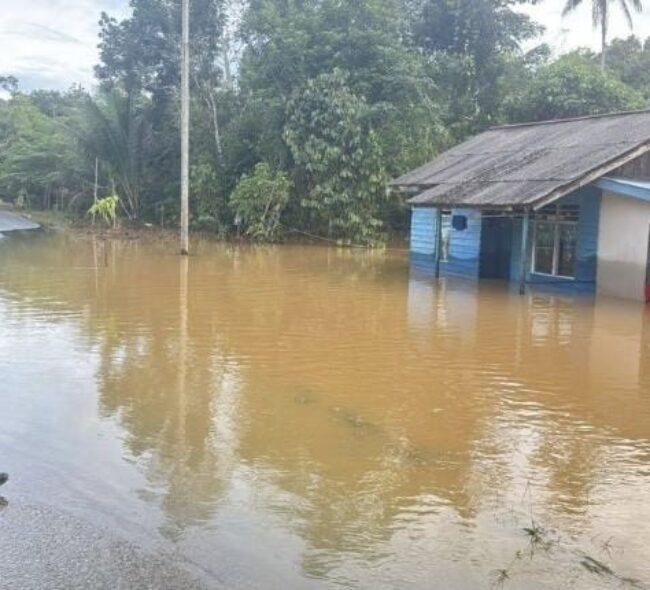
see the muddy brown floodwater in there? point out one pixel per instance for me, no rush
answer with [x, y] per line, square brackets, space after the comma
[302, 417]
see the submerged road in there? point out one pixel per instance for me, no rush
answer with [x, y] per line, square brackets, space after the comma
[42, 547]
[10, 221]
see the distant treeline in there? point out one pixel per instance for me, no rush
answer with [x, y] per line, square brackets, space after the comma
[301, 109]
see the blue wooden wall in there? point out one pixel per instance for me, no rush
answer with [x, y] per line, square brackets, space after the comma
[464, 248]
[465, 245]
[424, 231]
[588, 199]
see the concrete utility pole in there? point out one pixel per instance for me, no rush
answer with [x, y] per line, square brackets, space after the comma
[185, 129]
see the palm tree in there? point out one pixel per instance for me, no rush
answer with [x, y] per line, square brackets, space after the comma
[115, 130]
[600, 17]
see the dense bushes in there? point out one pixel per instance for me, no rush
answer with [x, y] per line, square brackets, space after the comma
[301, 109]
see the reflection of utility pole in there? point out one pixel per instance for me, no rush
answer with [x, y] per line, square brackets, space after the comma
[95, 188]
[185, 128]
[182, 349]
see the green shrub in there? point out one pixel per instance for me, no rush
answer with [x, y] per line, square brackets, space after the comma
[259, 200]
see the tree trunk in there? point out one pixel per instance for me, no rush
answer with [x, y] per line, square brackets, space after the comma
[226, 62]
[211, 103]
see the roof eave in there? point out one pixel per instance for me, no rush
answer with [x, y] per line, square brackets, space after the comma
[557, 193]
[592, 175]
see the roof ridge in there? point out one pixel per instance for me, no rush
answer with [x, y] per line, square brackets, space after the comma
[569, 119]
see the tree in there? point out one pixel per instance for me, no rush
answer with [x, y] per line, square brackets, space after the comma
[629, 60]
[288, 43]
[9, 84]
[139, 56]
[114, 127]
[471, 46]
[600, 18]
[39, 156]
[571, 87]
[259, 200]
[339, 159]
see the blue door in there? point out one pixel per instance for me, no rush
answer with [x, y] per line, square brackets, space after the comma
[496, 246]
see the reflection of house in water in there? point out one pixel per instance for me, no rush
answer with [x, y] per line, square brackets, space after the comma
[563, 382]
[450, 306]
[619, 361]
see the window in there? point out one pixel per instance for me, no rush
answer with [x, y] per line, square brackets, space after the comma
[554, 249]
[445, 235]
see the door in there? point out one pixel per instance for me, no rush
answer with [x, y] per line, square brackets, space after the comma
[496, 247]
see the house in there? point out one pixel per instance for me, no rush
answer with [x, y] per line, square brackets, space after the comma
[563, 203]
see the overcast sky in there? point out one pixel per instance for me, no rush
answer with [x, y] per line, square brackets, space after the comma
[53, 43]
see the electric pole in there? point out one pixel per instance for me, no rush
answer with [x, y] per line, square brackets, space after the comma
[185, 128]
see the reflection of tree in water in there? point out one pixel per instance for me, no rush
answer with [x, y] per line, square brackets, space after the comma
[175, 397]
[347, 470]
[297, 370]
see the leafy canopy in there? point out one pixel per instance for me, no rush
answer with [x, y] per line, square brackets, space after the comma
[259, 200]
[339, 158]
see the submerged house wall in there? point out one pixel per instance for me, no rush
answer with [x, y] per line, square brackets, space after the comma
[467, 248]
[424, 233]
[464, 244]
[588, 199]
[623, 247]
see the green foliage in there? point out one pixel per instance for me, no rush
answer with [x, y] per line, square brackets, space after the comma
[115, 129]
[259, 200]
[9, 83]
[629, 60]
[334, 97]
[471, 44]
[39, 156]
[571, 87]
[339, 157]
[106, 208]
[210, 205]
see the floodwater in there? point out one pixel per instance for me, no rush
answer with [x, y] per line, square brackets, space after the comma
[304, 417]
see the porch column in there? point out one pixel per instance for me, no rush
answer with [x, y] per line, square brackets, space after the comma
[524, 252]
[438, 240]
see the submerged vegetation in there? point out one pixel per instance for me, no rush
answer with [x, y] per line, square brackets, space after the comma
[301, 109]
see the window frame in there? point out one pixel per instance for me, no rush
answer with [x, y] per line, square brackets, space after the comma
[556, 216]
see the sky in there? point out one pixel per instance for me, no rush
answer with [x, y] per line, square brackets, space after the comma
[53, 43]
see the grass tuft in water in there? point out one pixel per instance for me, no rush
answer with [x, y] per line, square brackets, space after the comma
[596, 567]
[501, 577]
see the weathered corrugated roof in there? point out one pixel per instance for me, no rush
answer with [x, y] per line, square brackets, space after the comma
[529, 164]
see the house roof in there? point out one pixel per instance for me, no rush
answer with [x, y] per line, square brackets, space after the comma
[531, 164]
[629, 187]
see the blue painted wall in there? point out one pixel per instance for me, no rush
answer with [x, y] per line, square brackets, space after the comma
[424, 236]
[464, 247]
[588, 199]
[423, 231]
